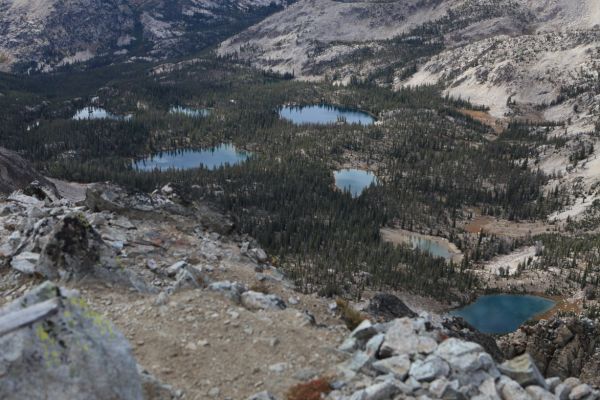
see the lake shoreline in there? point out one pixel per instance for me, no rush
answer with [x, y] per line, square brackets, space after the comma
[401, 236]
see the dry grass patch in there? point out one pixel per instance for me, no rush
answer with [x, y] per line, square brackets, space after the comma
[310, 390]
[260, 287]
[351, 317]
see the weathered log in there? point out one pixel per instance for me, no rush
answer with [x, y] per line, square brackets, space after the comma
[27, 316]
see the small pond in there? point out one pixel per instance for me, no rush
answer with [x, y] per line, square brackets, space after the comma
[503, 313]
[432, 247]
[190, 112]
[216, 157]
[324, 114]
[89, 113]
[354, 180]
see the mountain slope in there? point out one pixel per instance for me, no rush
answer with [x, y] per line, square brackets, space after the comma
[289, 41]
[43, 34]
[55, 32]
[529, 51]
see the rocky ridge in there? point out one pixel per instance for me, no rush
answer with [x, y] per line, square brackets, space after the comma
[182, 292]
[561, 347]
[179, 290]
[414, 358]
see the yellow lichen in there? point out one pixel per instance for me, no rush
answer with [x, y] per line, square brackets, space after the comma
[41, 333]
[83, 220]
[102, 324]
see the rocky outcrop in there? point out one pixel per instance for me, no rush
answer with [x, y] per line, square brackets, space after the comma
[561, 347]
[156, 242]
[113, 198]
[17, 173]
[260, 301]
[459, 328]
[414, 358]
[76, 251]
[162, 203]
[385, 307]
[53, 346]
[201, 278]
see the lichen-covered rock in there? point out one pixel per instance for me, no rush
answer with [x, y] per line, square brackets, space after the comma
[66, 352]
[364, 331]
[112, 198]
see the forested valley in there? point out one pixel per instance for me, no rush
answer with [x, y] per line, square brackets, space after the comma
[434, 164]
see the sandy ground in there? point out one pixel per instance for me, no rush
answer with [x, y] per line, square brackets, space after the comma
[497, 124]
[510, 262]
[502, 227]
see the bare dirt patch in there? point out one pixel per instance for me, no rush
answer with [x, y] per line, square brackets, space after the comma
[509, 263]
[503, 227]
[563, 305]
[497, 124]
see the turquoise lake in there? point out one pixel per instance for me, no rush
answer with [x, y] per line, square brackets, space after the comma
[503, 313]
[211, 159]
[89, 113]
[324, 114]
[354, 180]
[431, 247]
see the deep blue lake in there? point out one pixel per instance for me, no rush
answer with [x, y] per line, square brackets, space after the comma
[431, 247]
[354, 180]
[503, 313]
[324, 114]
[189, 112]
[213, 158]
[89, 113]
